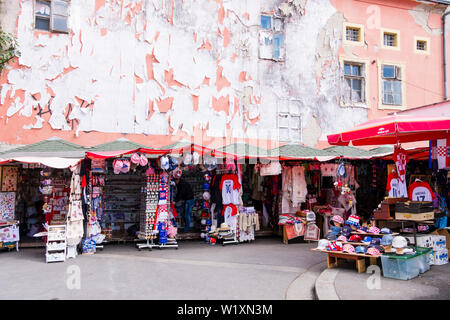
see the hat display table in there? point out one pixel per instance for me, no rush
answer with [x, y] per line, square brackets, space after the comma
[334, 258]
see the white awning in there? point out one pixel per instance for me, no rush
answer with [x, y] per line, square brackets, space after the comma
[53, 162]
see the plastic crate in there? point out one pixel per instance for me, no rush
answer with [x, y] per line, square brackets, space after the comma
[405, 267]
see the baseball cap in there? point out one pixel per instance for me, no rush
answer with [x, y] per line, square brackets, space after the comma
[338, 219]
[335, 246]
[379, 248]
[399, 242]
[386, 240]
[355, 238]
[374, 230]
[323, 244]
[386, 231]
[373, 251]
[342, 238]
[367, 239]
[360, 249]
[164, 163]
[346, 231]
[348, 248]
[353, 221]
[375, 241]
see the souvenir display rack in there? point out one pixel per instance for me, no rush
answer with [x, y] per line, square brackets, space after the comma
[121, 198]
[9, 235]
[56, 243]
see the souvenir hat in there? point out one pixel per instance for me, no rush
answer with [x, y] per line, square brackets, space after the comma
[206, 186]
[342, 238]
[374, 230]
[117, 165]
[210, 162]
[338, 219]
[355, 238]
[207, 177]
[385, 231]
[335, 246]
[353, 221]
[224, 225]
[360, 249]
[367, 239]
[399, 242]
[386, 240]
[378, 247]
[348, 248]
[164, 162]
[346, 231]
[363, 229]
[230, 165]
[323, 244]
[143, 161]
[373, 251]
[135, 158]
[375, 242]
[125, 166]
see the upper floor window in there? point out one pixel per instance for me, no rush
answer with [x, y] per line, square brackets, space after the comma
[353, 34]
[422, 45]
[271, 38]
[355, 79]
[51, 15]
[392, 85]
[390, 39]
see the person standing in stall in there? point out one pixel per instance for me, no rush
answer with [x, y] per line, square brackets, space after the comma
[184, 201]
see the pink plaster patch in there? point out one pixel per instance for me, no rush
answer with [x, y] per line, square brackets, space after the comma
[168, 77]
[243, 76]
[195, 100]
[165, 105]
[221, 81]
[226, 37]
[103, 31]
[221, 14]
[246, 15]
[99, 4]
[221, 104]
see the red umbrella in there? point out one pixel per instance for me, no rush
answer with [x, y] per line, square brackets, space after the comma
[392, 130]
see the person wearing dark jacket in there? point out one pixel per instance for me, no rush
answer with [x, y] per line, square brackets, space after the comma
[184, 201]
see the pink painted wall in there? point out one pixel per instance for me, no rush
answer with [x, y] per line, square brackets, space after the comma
[424, 73]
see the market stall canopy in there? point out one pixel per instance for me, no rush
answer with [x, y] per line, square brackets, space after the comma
[300, 152]
[121, 146]
[241, 150]
[394, 129]
[53, 152]
[350, 153]
[52, 147]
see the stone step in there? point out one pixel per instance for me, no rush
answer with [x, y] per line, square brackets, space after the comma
[303, 287]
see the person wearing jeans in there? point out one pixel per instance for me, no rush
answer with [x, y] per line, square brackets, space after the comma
[184, 195]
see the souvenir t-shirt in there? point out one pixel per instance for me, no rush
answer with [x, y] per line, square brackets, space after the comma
[394, 186]
[230, 186]
[421, 191]
[400, 158]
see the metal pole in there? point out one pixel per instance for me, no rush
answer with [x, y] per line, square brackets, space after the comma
[444, 42]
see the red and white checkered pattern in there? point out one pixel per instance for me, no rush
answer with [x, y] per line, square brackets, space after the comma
[374, 230]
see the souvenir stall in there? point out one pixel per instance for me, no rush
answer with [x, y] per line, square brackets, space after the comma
[407, 201]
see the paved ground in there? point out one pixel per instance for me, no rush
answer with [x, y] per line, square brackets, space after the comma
[431, 285]
[261, 270]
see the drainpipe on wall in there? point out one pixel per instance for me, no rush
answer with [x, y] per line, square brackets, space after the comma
[445, 53]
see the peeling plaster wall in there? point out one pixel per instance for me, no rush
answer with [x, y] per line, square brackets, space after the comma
[165, 67]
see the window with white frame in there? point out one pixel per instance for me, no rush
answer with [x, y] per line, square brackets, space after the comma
[290, 122]
[271, 38]
[392, 85]
[354, 76]
[51, 15]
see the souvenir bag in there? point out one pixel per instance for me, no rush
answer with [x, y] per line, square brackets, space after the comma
[312, 232]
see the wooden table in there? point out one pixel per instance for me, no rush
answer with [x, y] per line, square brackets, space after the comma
[360, 259]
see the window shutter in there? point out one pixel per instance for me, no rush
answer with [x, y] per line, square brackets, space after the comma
[60, 13]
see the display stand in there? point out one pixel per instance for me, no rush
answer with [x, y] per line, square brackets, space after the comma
[231, 239]
[9, 235]
[56, 243]
[335, 258]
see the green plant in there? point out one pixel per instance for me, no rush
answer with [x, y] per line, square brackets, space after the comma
[9, 48]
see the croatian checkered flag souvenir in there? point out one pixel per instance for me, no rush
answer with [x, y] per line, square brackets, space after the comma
[443, 153]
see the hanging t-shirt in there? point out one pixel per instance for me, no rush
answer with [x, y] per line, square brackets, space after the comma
[395, 187]
[400, 159]
[229, 185]
[421, 191]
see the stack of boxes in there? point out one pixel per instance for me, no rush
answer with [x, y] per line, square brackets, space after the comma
[438, 243]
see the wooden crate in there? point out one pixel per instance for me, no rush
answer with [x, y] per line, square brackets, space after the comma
[414, 216]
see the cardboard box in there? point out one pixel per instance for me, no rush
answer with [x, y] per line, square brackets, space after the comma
[424, 241]
[440, 257]
[439, 242]
[414, 216]
[445, 233]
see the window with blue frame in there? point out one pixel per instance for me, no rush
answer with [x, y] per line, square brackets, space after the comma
[271, 38]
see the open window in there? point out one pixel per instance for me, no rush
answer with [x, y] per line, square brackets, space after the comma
[271, 38]
[392, 85]
[51, 15]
